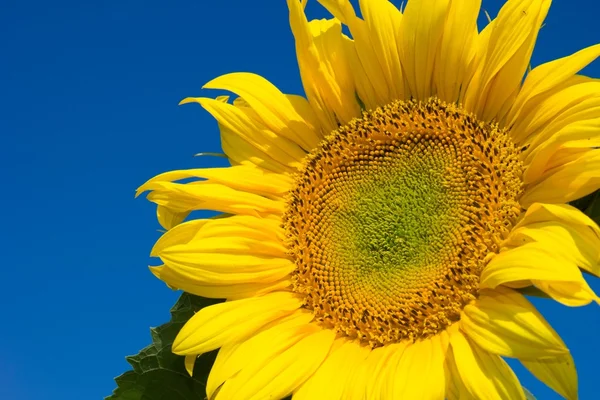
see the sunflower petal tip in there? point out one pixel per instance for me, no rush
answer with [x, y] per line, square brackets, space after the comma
[182, 346]
[155, 270]
[189, 363]
[189, 100]
[143, 188]
[177, 346]
[155, 252]
[212, 84]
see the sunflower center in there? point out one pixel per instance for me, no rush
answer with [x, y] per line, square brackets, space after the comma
[394, 215]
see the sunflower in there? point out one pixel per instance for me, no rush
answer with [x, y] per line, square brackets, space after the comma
[376, 236]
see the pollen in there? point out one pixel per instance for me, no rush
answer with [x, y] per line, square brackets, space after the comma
[394, 215]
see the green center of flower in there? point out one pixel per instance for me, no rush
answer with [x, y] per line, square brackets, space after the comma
[399, 213]
[394, 215]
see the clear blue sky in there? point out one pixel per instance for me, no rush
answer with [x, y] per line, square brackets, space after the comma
[88, 111]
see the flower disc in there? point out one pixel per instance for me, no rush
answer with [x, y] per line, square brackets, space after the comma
[394, 216]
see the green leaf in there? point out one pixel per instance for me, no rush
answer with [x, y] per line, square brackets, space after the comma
[157, 373]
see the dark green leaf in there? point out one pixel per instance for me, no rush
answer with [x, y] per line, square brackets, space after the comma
[157, 373]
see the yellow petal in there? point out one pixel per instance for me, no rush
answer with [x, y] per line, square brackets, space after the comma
[176, 200]
[210, 196]
[203, 276]
[559, 373]
[219, 324]
[571, 114]
[455, 389]
[224, 262]
[572, 294]
[381, 27]
[573, 102]
[420, 371]
[302, 106]
[221, 370]
[548, 76]
[341, 9]
[242, 152]
[246, 123]
[280, 375]
[189, 362]
[480, 53]
[332, 378]
[571, 151]
[225, 258]
[372, 46]
[452, 391]
[524, 263]
[359, 377]
[231, 292]
[503, 322]
[484, 375]
[236, 225]
[567, 182]
[242, 177]
[271, 339]
[324, 67]
[217, 289]
[456, 50]
[562, 148]
[507, 56]
[238, 235]
[206, 254]
[378, 365]
[557, 277]
[276, 110]
[168, 218]
[570, 234]
[564, 213]
[421, 32]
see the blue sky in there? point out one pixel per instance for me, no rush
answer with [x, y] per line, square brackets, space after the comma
[88, 112]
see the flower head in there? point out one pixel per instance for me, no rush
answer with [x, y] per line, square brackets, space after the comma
[376, 234]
